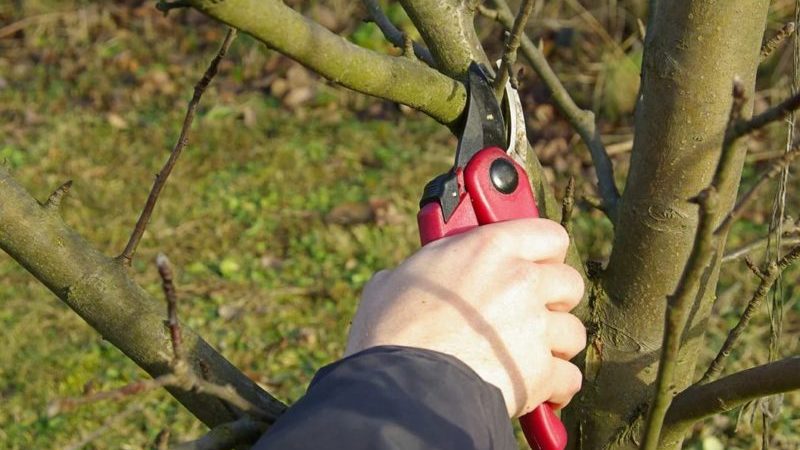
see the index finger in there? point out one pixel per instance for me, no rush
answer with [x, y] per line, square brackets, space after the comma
[537, 240]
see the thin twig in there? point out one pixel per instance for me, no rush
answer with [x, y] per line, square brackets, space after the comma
[789, 233]
[768, 278]
[165, 271]
[182, 379]
[161, 178]
[21, 24]
[567, 204]
[182, 375]
[139, 387]
[491, 14]
[512, 45]
[394, 35]
[773, 171]
[166, 7]
[244, 431]
[770, 46]
[754, 267]
[162, 440]
[181, 368]
[54, 201]
[774, 114]
[582, 121]
[725, 167]
[107, 425]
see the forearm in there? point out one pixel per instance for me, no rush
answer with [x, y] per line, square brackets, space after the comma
[387, 398]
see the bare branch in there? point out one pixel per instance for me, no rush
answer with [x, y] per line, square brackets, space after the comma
[774, 114]
[773, 171]
[139, 387]
[108, 424]
[54, 201]
[165, 271]
[100, 290]
[770, 46]
[510, 53]
[448, 28]
[396, 78]
[753, 267]
[166, 7]
[725, 167]
[394, 35]
[567, 204]
[244, 431]
[728, 393]
[161, 178]
[768, 279]
[182, 378]
[186, 378]
[582, 121]
[756, 245]
[162, 440]
[789, 238]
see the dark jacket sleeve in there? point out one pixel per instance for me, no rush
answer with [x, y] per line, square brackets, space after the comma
[388, 398]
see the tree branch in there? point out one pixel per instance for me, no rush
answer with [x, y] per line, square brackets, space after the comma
[448, 29]
[774, 114]
[679, 303]
[770, 46]
[183, 139]
[54, 201]
[396, 78]
[510, 53]
[725, 394]
[453, 44]
[567, 204]
[748, 196]
[582, 121]
[758, 244]
[768, 278]
[165, 271]
[393, 35]
[99, 289]
[244, 431]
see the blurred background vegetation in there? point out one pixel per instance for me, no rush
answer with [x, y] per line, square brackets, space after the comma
[292, 192]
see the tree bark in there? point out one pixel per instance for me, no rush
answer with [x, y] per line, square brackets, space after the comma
[397, 78]
[99, 289]
[694, 49]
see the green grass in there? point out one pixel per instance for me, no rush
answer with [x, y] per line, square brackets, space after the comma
[263, 272]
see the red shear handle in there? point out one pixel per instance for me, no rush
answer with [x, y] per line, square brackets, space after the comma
[494, 188]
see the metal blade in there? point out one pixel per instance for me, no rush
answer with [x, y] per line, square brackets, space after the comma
[484, 125]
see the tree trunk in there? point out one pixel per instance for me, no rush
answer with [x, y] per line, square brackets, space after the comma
[694, 49]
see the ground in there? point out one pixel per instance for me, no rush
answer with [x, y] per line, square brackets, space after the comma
[291, 193]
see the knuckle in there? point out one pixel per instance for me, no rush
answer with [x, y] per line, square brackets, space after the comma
[574, 280]
[490, 239]
[556, 232]
[579, 331]
[574, 378]
[579, 285]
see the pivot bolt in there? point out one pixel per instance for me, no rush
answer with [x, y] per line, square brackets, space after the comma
[504, 175]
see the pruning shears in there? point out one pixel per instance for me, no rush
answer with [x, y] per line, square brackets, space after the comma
[486, 185]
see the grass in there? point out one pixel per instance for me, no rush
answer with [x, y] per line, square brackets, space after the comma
[269, 218]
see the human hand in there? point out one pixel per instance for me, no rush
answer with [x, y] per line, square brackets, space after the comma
[497, 298]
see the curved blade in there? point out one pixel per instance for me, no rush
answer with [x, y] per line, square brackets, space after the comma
[484, 125]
